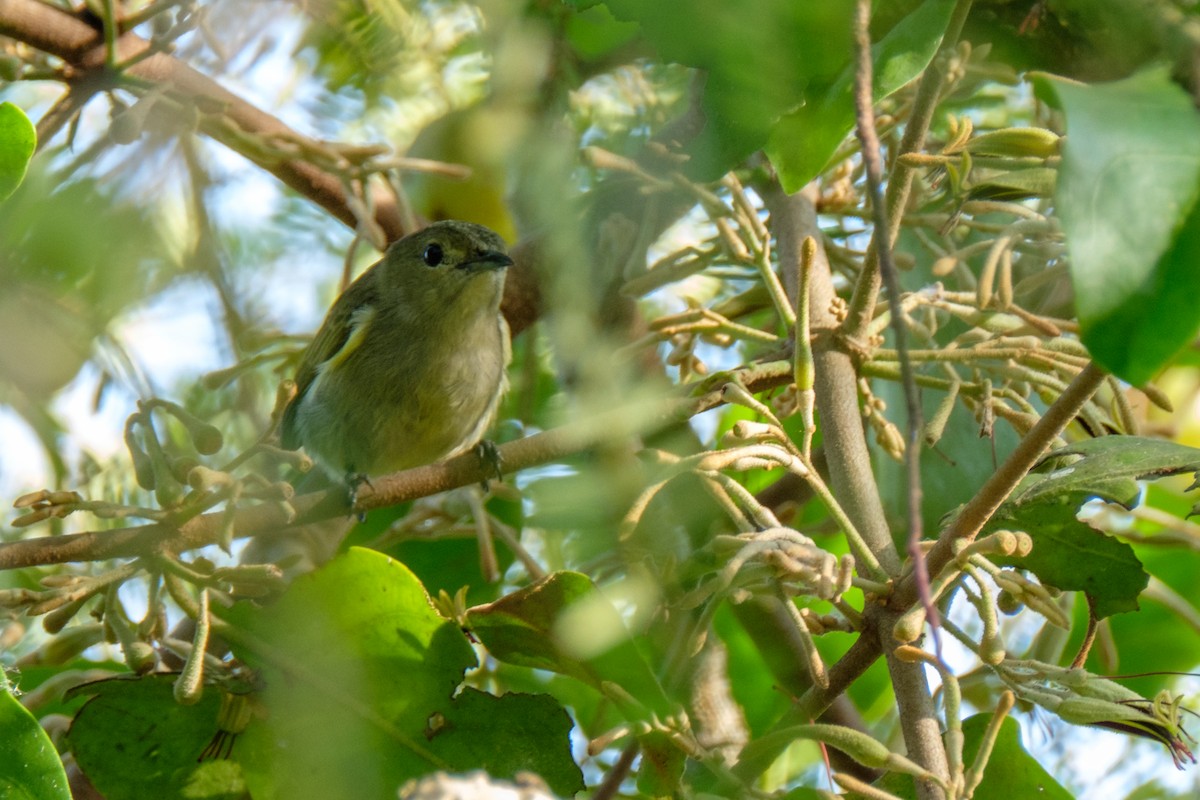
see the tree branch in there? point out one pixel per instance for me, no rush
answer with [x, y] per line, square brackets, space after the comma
[899, 187]
[385, 491]
[82, 47]
[792, 219]
[918, 718]
[980, 508]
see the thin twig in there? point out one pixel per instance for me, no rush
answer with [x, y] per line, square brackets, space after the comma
[929, 91]
[619, 772]
[1089, 638]
[980, 508]
[865, 114]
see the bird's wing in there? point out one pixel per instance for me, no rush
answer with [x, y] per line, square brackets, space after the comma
[341, 333]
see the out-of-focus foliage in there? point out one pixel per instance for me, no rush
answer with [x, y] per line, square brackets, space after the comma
[17, 142]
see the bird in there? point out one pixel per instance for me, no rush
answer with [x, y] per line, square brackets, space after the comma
[409, 365]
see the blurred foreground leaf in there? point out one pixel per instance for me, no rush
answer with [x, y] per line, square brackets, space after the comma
[804, 141]
[18, 140]
[564, 624]
[1126, 194]
[360, 676]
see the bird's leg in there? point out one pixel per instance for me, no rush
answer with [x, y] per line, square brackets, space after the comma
[354, 480]
[489, 457]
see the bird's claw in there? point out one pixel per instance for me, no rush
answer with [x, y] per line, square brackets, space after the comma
[489, 458]
[354, 481]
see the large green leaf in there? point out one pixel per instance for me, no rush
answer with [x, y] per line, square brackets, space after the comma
[18, 140]
[1011, 771]
[1108, 467]
[1127, 191]
[803, 142]
[30, 768]
[1069, 554]
[1160, 638]
[360, 673]
[134, 741]
[506, 735]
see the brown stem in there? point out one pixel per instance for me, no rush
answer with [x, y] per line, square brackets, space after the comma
[918, 718]
[1089, 638]
[866, 649]
[234, 122]
[980, 508]
[866, 291]
[611, 785]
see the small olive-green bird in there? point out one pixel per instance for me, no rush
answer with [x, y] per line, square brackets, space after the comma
[409, 365]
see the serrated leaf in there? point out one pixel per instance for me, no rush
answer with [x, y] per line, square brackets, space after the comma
[1073, 556]
[509, 734]
[1127, 191]
[564, 624]
[18, 141]
[1107, 467]
[1070, 554]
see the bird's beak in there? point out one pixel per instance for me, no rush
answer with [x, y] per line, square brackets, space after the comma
[492, 259]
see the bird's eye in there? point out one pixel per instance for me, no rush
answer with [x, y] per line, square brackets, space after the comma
[433, 255]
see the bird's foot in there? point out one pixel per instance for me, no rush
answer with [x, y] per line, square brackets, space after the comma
[355, 481]
[489, 459]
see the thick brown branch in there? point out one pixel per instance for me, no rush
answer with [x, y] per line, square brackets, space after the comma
[792, 219]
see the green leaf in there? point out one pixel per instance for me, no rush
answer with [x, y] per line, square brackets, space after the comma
[440, 563]
[133, 741]
[1160, 638]
[1017, 185]
[759, 59]
[1108, 467]
[30, 768]
[662, 766]
[506, 735]
[1011, 771]
[564, 624]
[802, 143]
[1070, 554]
[1127, 191]
[18, 140]
[359, 672]
[594, 32]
